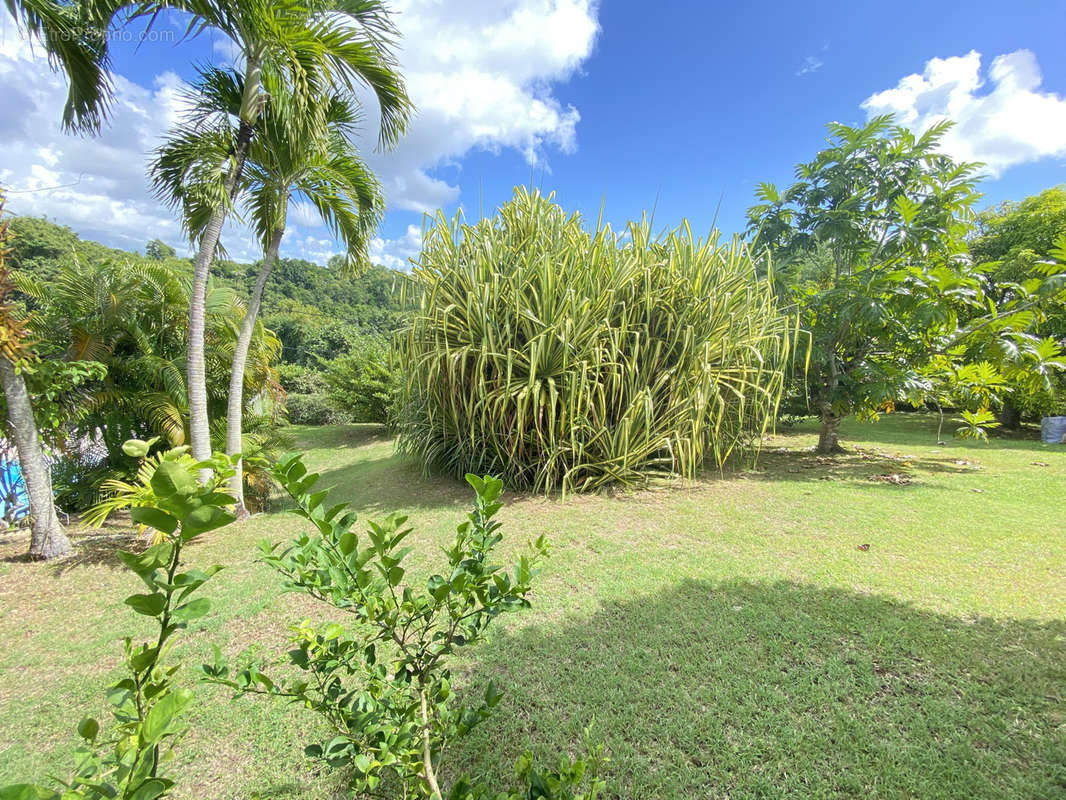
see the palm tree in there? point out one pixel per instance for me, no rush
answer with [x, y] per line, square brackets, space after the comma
[290, 48]
[47, 537]
[131, 316]
[292, 53]
[310, 159]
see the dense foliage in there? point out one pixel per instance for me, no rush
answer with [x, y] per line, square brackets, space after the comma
[315, 314]
[366, 381]
[566, 358]
[1011, 247]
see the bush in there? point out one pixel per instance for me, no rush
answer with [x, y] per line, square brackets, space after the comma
[560, 357]
[381, 681]
[298, 379]
[314, 409]
[364, 380]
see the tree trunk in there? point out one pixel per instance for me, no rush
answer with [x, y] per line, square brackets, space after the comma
[199, 423]
[47, 537]
[828, 437]
[235, 408]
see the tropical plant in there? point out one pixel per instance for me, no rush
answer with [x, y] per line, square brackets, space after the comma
[147, 702]
[382, 683]
[561, 357]
[1011, 248]
[291, 54]
[870, 244]
[129, 316]
[311, 161]
[48, 539]
[365, 380]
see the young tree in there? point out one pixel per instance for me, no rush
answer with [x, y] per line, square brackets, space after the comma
[870, 243]
[48, 539]
[310, 159]
[158, 250]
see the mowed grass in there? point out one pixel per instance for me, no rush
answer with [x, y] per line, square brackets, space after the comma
[731, 637]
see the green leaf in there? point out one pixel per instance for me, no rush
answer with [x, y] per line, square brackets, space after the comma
[27, 791]
[146, 563]
[171, 478]
[162, 714]
[492, 695]
[137, 448]
[192, 610]
[151, 605]
[347, 543]
[154, 518]
[438, 587]
[332, 631]
[203, 519]
[149, 790]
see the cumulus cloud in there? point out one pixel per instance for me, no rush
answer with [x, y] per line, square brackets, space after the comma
[1001, 119]
[480, 74]
[95, 185]
[396, 253]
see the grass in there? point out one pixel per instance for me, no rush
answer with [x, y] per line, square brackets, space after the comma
[728, 635]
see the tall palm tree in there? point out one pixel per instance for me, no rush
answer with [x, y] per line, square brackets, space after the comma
[293, 52]
[310, 159]
[47, 537]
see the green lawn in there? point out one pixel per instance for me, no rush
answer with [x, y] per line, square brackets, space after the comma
[729, 636]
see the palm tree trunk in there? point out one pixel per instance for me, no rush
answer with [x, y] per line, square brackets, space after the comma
[199, 423]
[235, 408]
[47, 537]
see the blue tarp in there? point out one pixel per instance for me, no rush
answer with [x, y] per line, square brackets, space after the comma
[11, 478]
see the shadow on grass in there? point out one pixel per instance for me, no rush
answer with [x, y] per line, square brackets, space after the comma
[747, 690]
[100, 547]
[919, 429]
[90, 546]
[870, 466]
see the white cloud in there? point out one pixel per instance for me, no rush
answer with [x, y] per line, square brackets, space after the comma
[1012, 122]
[810, 64]
[480, 74]
[395, 253]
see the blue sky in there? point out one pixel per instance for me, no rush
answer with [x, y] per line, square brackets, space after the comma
[680, 106]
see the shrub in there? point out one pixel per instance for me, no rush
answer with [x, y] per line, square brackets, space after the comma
[314, 409]
[298, 379]
[364, 380]
[566, 358]
[147, 703]
[381, 681]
